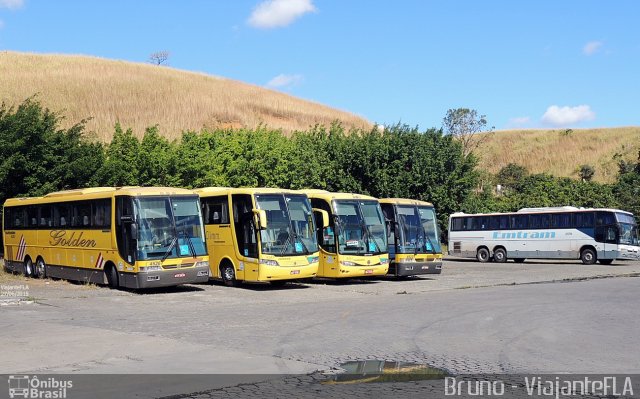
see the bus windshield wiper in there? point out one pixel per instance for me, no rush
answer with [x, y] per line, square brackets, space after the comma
[192, 249]
[174, 241]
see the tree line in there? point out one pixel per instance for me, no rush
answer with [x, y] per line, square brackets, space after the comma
[37, 156]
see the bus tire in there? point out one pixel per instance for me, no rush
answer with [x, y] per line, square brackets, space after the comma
[112, 276]
[228, 274]
[499, 255]
[28, 267]
[483, 255]
[588, 256]
[40, 271]
[606, 261]
[519, 260]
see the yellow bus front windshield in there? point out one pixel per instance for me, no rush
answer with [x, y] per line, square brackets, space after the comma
[417, 230]
[169, 227]
[290, 225]
[360, 227]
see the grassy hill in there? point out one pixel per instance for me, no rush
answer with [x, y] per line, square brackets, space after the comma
[561, 152]
[140, 95]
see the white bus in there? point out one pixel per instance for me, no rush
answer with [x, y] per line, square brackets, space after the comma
[591, 235]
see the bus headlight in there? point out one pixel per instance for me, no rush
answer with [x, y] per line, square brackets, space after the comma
[269, 262]
[202, 263]
[347, 263]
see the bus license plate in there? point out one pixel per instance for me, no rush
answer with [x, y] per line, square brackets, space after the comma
[368, 271]
[180, 275]
[295, 271]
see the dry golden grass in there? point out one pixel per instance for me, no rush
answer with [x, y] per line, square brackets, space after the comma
[141, 95]
[560, 152]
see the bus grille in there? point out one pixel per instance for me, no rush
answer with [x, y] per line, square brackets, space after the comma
[457, 247]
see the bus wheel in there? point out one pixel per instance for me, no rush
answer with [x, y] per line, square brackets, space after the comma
[588, 256]
[606, 261]
[228, 274]
[41, 269]
[28, 267]
[519, 260]
[112, 276]
[500, 255]
[483, 255]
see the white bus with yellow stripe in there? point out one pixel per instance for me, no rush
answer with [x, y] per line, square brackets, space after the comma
[414, 244]
[259, 234]
[132, 237]
[354, 242]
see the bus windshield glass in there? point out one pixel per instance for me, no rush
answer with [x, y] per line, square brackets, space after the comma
[628, 229]
[360, 227]
[290, 226]
[169, 227]
[417, 230]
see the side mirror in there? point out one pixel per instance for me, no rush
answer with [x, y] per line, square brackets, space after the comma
[324, 215]
[261, 216]
[388, 222]
[126, 219]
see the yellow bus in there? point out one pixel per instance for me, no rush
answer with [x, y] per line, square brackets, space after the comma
[259, 234]
[414, 244]
[354, 243]
[131, 237]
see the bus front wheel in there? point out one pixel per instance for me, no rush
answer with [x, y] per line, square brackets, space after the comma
[483, 255]
[500, 255]
[588, 256]
[228, 273]
[112, 276]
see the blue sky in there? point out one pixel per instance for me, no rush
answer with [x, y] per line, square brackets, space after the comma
[525, 64]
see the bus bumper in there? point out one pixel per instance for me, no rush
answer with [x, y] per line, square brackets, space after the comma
[164, 278]
[415, 268]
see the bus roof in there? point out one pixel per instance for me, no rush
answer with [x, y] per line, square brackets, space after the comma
[553, 209]
[211, 191]
[97, 193]
[404, 201]
[329, 196]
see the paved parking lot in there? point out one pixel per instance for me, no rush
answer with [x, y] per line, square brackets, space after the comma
[471, 318]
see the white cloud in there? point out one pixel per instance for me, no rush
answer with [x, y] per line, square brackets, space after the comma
[283, 80]
[278, 13]
[519, 121]
[11, 4]
[592, 47]
[563, 116]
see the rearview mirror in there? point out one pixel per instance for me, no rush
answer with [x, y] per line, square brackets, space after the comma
[324, 215]
[261, 216]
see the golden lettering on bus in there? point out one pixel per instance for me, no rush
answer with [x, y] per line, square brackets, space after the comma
[59, 238]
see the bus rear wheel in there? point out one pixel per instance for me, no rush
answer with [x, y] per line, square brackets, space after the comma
[40, 270]
[588, 256]
[228, 274]
[499, 255]
[483, 255]
[28, 267]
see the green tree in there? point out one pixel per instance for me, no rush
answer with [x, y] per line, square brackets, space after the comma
[120, 167]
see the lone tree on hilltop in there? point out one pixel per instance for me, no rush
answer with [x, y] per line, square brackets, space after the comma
[159, 57]
[465, 125]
